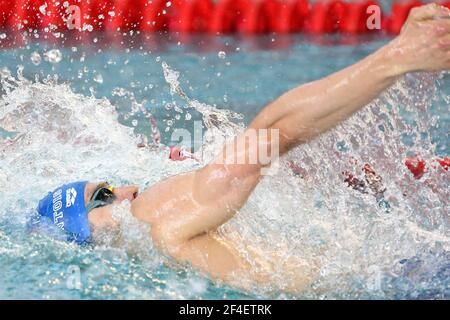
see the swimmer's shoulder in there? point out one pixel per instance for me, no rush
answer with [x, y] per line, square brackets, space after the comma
[166, 196]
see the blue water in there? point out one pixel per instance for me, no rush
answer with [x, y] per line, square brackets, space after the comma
[249, 73]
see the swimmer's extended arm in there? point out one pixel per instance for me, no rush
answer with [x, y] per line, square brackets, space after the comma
[309, 110]
[199, 202]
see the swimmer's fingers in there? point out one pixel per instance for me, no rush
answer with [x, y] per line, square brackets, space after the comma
[429, 12]
[441, 27]
[433, 28]
[424, 40]
[444, 43]
[427, 16]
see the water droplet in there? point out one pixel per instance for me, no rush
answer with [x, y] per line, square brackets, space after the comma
[2, 35]
[36, 58]
[88, 27]
[222, 55]
[134, 123]
[98, 78]
[119, 92]
[53, 56]
[43, 8]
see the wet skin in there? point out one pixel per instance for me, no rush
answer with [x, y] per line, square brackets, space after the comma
[185, 211]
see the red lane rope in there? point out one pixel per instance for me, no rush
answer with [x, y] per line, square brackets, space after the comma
[289, 16]
[95, 13]
[192, 16]
[213, 16]
[315, 21]
[400, 12]
[254, 16]
[156, 16]
[356, 17]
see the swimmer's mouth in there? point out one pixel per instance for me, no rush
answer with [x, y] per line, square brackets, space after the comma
[135, 195]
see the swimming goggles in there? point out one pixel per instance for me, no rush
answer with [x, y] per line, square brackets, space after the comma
[103, 196]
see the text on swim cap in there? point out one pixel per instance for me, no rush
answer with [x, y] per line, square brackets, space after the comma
[57, 205]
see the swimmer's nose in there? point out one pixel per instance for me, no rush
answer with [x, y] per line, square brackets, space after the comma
[126, 193]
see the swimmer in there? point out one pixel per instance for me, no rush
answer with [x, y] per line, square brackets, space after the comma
[185, 211]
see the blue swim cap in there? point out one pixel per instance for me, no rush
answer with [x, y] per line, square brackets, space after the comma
[65, 208]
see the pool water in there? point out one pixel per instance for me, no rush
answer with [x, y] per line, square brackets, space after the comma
[77, 110]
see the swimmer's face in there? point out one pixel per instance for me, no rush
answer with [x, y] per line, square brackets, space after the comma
[102, 217]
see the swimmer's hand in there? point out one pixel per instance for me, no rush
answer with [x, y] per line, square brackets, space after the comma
[424, 42]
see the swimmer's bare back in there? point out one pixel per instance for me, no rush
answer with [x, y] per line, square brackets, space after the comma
[186, 211]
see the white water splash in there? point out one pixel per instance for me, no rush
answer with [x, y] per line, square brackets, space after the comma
[59, 136]
[319, 218]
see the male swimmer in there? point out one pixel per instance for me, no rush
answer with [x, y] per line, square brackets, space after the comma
[185, 211]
